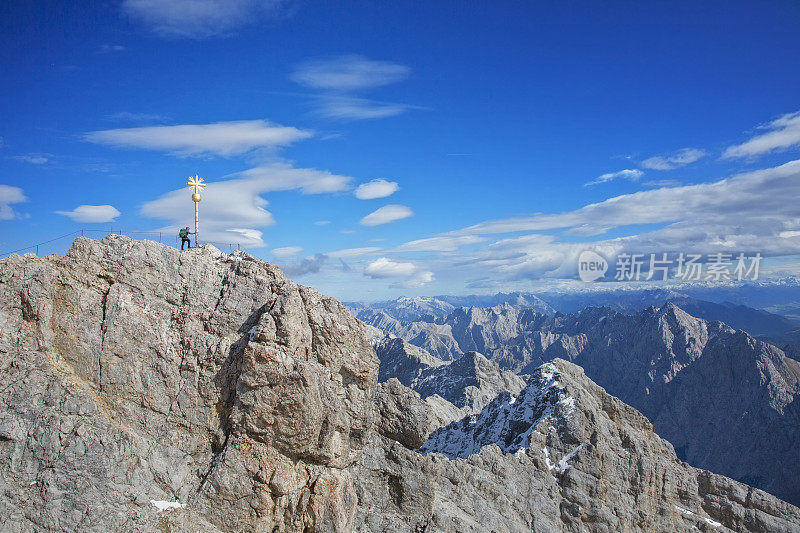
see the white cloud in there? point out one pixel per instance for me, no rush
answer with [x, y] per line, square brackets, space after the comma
[34, 159]
[662, 183]
[353, 108]
[379, 188]
[244, 235]
[353, 252]
[92, 213]
[674, 160]
[629, 174]
[221, 138]
[322, 222]
[198, 18]
[420, 279]
[384, 267]
[287, 251]
[231, 210]
[348, 73]
[127, 116]
[386, 214]
[10, 195]
[441, 243]
[110, 48]
[749, 212]
[784, 133]
[340, 78]
[751, 194]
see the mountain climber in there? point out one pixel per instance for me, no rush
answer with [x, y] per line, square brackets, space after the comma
[184, 235]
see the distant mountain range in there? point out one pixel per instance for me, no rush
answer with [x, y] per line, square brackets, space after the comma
[727, 401]
[424, 321]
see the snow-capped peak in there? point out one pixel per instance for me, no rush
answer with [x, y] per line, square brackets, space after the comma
[507, 421]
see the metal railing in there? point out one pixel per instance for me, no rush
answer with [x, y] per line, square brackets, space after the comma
[160, 236]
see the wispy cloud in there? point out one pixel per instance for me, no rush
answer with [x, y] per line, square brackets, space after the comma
[349, 253]
[386, 214]
[127, 116]
[674, 160]
[221, 138]
[662, 183]
[197, 19]
[753, 193]
[628, 174]
[442, 243]
[379, 188]
[233, 209]
[10, 195]
[354, 108]
[747, 212]
[111, 48]
[341, 78]
[348, 73]
[782, 133]
[92, 213]
[34, 158]
[286, 251]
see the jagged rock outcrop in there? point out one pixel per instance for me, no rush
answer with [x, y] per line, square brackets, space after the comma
[147, 389]
[403, 416]
[136, 377]
[726, 401]
[577, 458]
[402, 360]
[436, 339]
[468, 383]
[453, 389]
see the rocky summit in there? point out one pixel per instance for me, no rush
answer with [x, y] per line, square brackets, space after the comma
[147, 389]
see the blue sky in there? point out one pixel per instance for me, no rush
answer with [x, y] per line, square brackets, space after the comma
[508, 136]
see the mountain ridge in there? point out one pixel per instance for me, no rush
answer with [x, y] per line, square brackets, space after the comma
[144, 388]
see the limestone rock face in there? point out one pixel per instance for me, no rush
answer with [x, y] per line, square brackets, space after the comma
[147, 389]
[563, 455]
[133, 372]
[403, 416]
[453, 389]
[726, 401]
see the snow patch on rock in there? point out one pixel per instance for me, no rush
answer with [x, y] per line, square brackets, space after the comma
[506, 423]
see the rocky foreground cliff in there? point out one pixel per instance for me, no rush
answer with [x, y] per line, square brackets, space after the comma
[147, 389]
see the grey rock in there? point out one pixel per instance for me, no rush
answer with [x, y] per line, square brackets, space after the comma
[562, 456]
[726, 401]
[402, 360]
[147, 389]
[452, 389]
[402, 415]
[133, 372]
